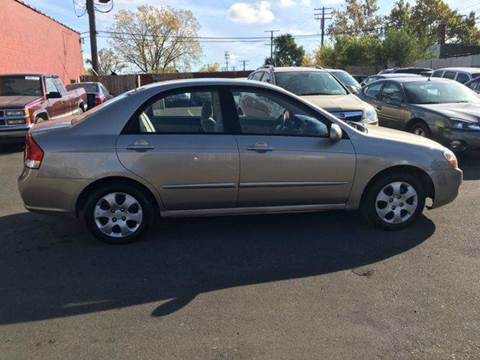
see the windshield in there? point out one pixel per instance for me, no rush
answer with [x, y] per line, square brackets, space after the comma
[439, 92]
[89, 88]
[309, 83]
[346, 78]
[20, 85]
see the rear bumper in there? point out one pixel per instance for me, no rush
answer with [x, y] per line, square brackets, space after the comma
[49, 195]
[447, 183]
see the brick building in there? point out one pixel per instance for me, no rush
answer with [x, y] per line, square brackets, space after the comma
[32, 42]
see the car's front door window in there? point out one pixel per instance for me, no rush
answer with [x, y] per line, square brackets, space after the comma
[265, 113]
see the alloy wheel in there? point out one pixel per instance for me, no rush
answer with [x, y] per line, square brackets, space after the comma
[396, 202]
[118, 215]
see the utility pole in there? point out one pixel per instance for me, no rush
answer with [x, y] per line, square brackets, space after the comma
[227, 60]
[271, 44]
[322, 14]
[244, 63]
[93, 35]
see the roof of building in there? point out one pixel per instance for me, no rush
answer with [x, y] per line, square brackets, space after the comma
[47, 16]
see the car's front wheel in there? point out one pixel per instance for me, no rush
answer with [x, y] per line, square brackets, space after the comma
[118, 214]
[394, 201]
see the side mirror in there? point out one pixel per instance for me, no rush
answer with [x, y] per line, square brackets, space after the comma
[336, 133]
[54, 95]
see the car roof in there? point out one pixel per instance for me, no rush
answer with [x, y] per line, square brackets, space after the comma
[464, 69]
[294, 69]
[172, 84]
[401, 75]
[420, 79]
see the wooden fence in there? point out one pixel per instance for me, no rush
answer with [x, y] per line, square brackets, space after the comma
[118, 84]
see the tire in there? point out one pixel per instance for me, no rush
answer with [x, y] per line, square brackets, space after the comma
[390, 203]
[113, 223]
[421, 129]
[39, 119]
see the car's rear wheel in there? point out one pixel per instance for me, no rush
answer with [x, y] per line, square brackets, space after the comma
[394, 201]
[421, 129]
[118, 214]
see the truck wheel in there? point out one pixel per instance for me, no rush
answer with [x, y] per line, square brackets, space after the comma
[39, 119]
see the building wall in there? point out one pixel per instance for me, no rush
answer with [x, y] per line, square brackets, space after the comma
[31, 42]
[459, 61]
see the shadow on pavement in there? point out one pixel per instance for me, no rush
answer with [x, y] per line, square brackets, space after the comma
[11, 148]
[50, 267]
[470, 164]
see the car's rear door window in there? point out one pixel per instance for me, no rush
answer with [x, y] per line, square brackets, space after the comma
[450, 75]
[373, 90]
[265, 113]
[189, 112]
[462, 78]
[392, 92]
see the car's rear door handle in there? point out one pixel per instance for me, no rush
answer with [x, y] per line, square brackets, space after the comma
[260, 147]
[140, 146]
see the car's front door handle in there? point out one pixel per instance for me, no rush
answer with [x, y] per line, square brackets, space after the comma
[260, 147]
[140, 146]
[379, 107]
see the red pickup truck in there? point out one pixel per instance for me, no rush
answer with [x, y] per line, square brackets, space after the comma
[26, 99]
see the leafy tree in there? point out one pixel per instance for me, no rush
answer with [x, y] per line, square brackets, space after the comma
[156, 39]
[400, 16]
[108, 62]
[210, 68]
[400, 48]
[308, 60]
[287, 52]
[359, 17]
[435, 21]
[326, 56]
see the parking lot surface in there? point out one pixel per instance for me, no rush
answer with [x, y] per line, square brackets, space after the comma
[304, 286]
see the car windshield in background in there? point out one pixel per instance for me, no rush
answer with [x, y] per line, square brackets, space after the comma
[346, 78]
[304, 83]
[89, 88]
[439, 93]
[20, 86]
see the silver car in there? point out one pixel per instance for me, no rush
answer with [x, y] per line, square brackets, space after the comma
[184, 148]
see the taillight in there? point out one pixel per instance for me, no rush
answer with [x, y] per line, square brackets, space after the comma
[33, 153]
[99, 99]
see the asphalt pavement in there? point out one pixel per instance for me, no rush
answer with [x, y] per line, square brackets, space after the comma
[303, 286]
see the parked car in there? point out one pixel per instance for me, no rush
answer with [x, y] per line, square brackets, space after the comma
[441, 109]
[346, 79]
[97, 93]
[460, 74]
[377, 77]
[134, 158]
[474, 84]
[319, 87]
[409, 70]
[30, 98]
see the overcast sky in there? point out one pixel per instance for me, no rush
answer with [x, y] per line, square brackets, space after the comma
[228, 18]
